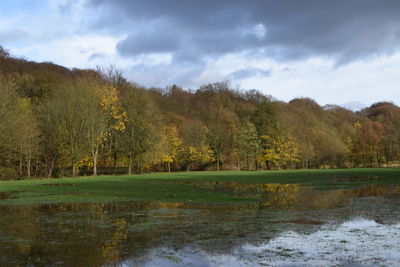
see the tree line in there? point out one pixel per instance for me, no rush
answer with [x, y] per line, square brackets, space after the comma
[56, 122]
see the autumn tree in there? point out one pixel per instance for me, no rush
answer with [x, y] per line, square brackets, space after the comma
[221, 128]
[388, 115]
[104, 112]
[265, 118]
[367, 143]
[143, 127]
[68, 115]
[247, 144]
[195, 148]
[280, 150]
[28, 134]
[170, 146]
[8, 118]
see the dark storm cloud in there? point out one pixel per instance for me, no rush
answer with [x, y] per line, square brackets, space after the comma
[285, 30]
[149, 41]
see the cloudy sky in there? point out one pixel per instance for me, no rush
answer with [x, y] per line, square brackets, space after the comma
[332, 51]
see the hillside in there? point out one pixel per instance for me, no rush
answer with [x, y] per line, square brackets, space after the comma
[56, 121]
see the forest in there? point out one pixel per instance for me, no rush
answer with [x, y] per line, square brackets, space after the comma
[56, 122]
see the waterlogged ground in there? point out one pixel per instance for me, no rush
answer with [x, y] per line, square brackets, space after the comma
[354, 224]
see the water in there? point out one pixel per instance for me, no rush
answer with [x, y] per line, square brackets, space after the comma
[359, 242]
[290, 225]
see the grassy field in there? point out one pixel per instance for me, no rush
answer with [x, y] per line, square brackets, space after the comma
[182, 186]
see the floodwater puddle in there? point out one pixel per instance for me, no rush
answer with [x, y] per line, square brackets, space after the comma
[287, 225]
[286, 196]
[358, 242]
[9, 195]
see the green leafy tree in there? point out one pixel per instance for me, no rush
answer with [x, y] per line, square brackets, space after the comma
[247, 144]
[28, 134]
[143, 125]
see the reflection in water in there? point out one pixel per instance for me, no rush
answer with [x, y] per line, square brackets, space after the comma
[359, 242]
[295, 196]
[8, 195]
[100, 234]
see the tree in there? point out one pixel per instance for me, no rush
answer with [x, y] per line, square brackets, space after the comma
[194, 148]
[4, 53]
[388, 115]
[221, 125]
[170, 145]
[143, 123]
[265, 119]
[280, 150]
[68, 115]
[104, 112]
[367, 143]
[247, 144]
[8, 118]
[28, 134]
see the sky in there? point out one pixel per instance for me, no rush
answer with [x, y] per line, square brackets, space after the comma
[332, 51]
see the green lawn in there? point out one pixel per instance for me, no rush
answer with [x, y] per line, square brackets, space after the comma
[181, 186]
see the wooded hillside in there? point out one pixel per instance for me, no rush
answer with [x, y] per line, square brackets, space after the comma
[56, 121]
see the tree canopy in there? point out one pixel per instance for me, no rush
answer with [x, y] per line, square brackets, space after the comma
[56, 121]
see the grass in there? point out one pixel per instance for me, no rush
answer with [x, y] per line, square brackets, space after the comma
[172, 187]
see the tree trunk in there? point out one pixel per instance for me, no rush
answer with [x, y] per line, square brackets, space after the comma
[238, 165]
[217, 163]
[95, 153]
[37, 167]
[28, 167]
[20, 166]
[130, 165]
[169, 166]
[51, 168]
[115, 162]
[74, 169]
[95, 165]
[188, 167]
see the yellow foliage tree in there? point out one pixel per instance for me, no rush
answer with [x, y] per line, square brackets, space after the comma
[105, 113]
[200, 154]
[280, 150]
[170, 145]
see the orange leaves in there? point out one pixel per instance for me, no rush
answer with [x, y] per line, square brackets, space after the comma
[367, 143]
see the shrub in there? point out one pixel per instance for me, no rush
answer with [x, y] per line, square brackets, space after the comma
[7, 173]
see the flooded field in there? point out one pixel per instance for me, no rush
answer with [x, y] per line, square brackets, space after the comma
[289, 224]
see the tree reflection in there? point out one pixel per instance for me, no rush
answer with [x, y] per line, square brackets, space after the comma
[97, 234]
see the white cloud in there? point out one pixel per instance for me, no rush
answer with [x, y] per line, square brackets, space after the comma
[64, 36]
[73, 51]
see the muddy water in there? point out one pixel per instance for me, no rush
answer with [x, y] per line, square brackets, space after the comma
[289, 225]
